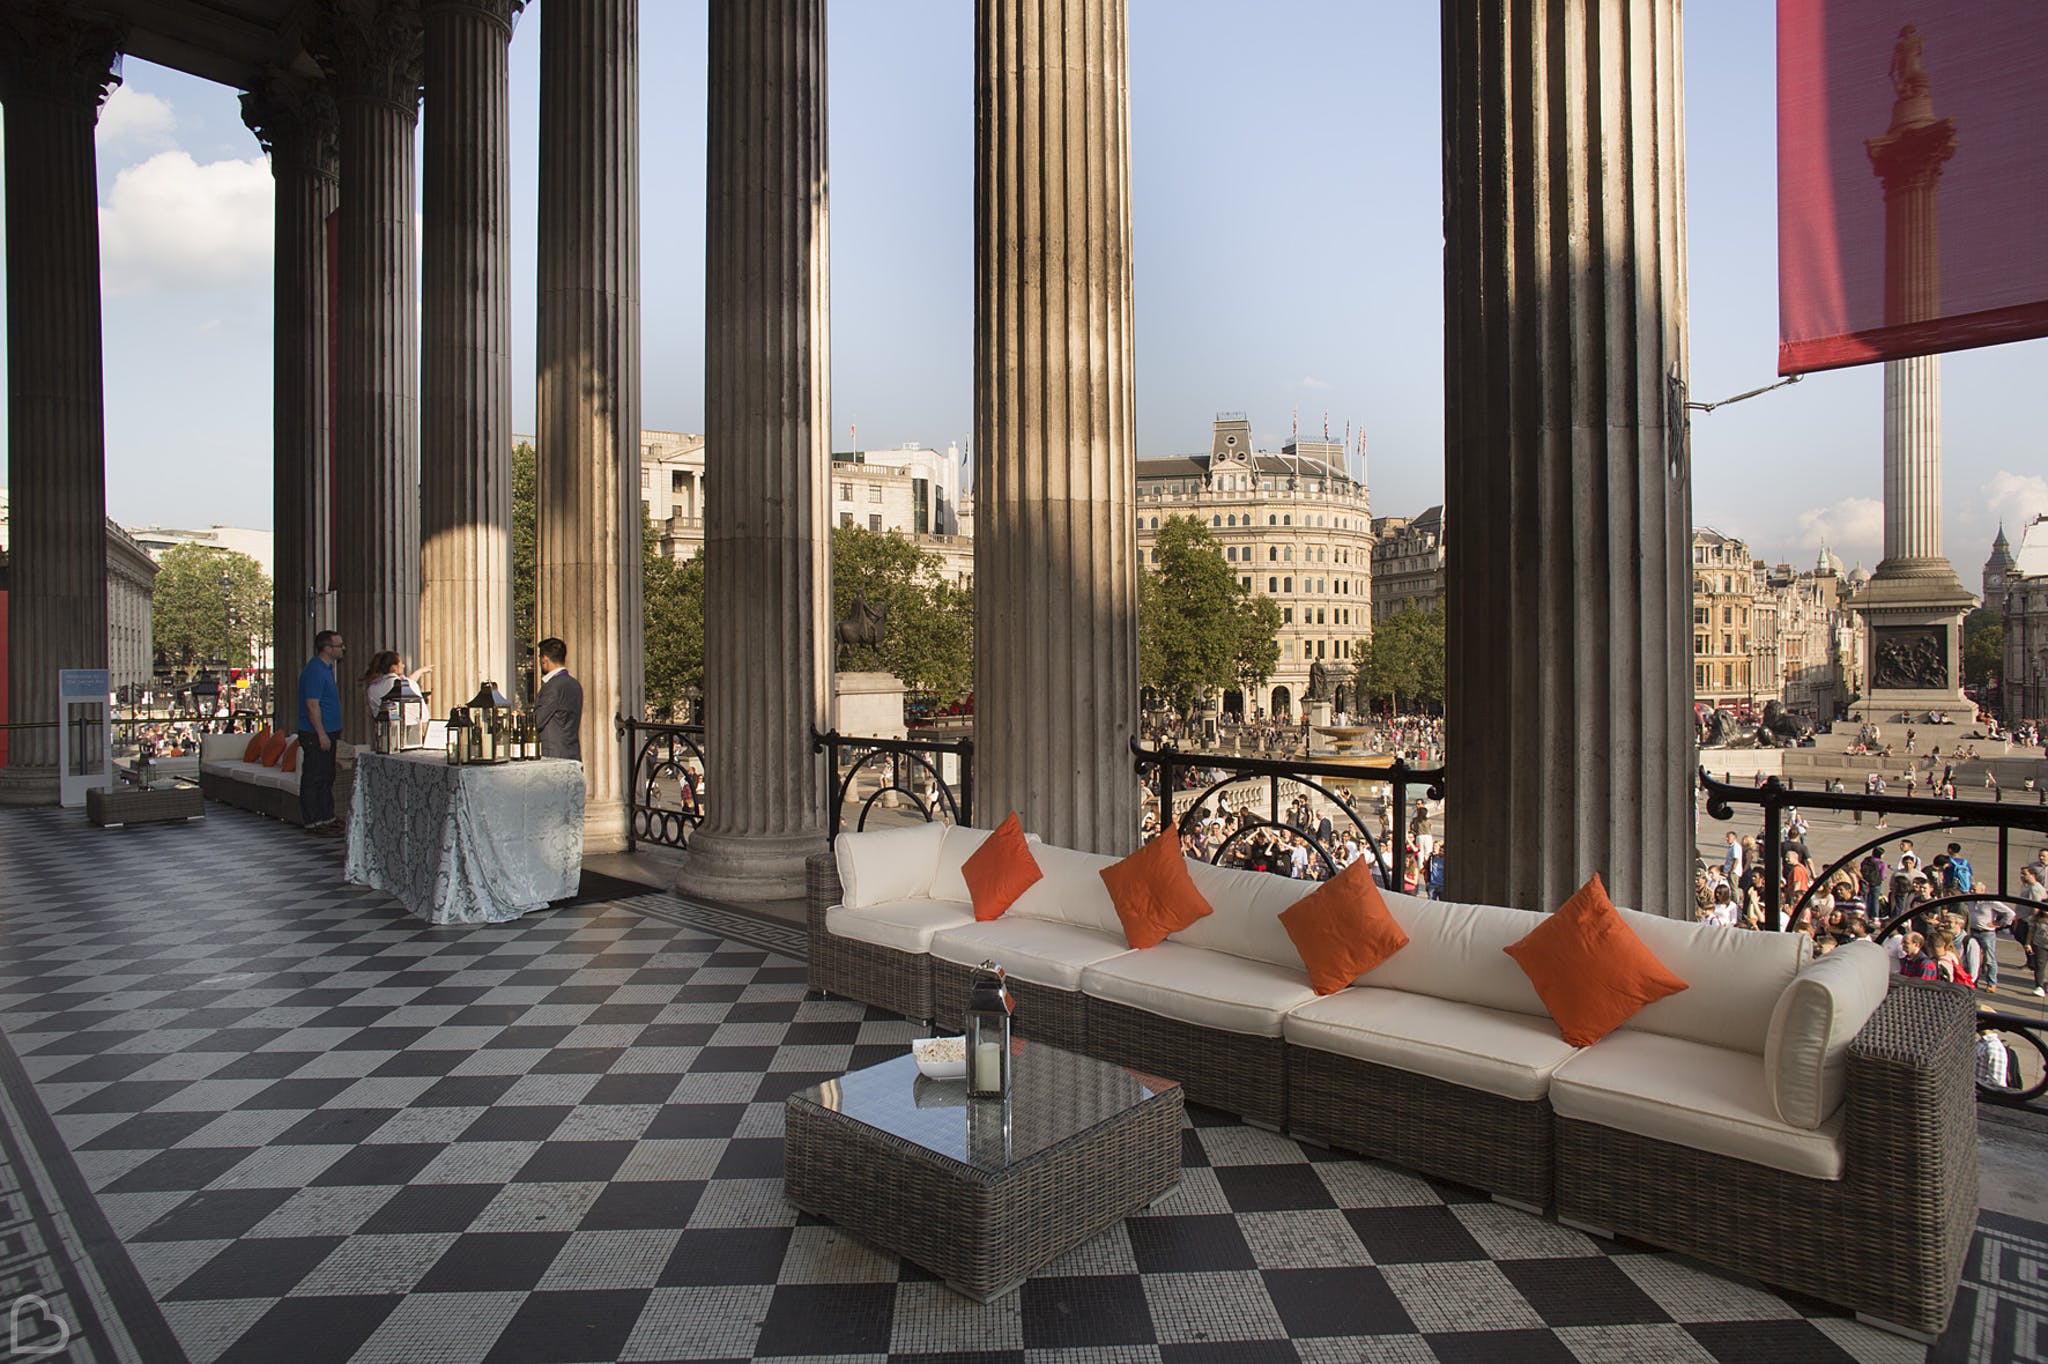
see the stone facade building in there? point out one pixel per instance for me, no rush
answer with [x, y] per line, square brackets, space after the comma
[2025, 676]
[131, 591]
[1295, 527]
[1995, 570]
[1806, 646]
[1723, 591]
[1408, 563]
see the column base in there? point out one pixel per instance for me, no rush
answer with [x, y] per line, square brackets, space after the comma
[743, 868]
[28, 786]
[604, 826]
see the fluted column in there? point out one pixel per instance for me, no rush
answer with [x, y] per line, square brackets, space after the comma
[1568, 656]
[375, 70]
[767, 424]
[466, 351]
[295, 121]
[588, 409]
[1055, 546]
[56, 67]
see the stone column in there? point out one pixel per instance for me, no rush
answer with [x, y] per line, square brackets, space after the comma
[466, 353]
[375, 70]
[588, 408]
[1567, 625]
[56, 67]
[295, 121]
[1055, 547]
[767, 424]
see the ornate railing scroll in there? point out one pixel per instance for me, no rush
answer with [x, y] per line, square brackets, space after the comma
[1164, 766]
[664, 795]
[914, 768]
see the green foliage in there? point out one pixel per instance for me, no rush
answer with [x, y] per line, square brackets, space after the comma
[928, 638]
[1983, 652]
[672, 611]
[525, 551]
[192, 616]
[1403, 663]
[1198, 629]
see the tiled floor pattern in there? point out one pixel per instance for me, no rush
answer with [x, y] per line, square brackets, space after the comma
[253, 1113]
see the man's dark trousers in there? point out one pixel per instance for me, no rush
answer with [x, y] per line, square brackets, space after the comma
[316, 778]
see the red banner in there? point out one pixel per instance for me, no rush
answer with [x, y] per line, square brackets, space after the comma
[1912, 178]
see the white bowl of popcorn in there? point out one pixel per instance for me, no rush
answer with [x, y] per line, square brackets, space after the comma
[941, 1058]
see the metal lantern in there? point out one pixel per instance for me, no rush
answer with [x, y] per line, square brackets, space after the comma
[410, 722]
[988, 1034]
[458, 737]
[488, 714]
[387, 735]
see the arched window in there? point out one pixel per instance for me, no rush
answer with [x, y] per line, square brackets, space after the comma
[1217, 522]
[1287, 520]
[1287, 584]
[1272, 584]
[1155, 523]
[1272, 520]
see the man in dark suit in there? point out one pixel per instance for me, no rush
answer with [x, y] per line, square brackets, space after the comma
[558, 707]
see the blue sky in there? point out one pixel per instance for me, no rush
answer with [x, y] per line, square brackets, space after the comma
[1288, 256]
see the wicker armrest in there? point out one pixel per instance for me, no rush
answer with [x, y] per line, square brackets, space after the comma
[821, 886]
[1910, 1106]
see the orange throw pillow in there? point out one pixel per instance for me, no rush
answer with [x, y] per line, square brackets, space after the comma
[1342, 929]
[1000, 870]
[254, 752]
[273, 749]
[1153, 893]
[1590, 969]
[291, 755]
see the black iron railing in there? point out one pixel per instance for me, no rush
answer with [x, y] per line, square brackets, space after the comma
[664, 795]
[1205, 778]
[1933, 814]
[914, 767]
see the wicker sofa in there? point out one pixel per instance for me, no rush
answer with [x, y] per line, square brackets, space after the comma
[1445, 1060]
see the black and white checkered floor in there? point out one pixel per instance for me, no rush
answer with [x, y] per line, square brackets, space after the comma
[249, 1112]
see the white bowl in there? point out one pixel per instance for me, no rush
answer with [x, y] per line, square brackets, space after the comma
[936, 1069]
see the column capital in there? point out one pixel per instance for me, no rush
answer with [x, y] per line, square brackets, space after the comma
[61, 55]
[372, 51]
[294, 119]
[503, 13]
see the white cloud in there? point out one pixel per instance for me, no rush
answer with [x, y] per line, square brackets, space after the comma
[170, 224]
[1310, 381]
[133, 119]
[1852, 528]
[2015, 499]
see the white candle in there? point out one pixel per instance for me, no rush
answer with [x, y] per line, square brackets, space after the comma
[988, 1066]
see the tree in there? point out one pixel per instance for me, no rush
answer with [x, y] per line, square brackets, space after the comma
[1404, 660]
[928, 640]
[192, 617]
[1198, 628]
[1983, 648]
[525, 551]
[672, 612]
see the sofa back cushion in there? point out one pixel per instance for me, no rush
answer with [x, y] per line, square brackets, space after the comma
[1455, 951]
[888, 864]
[1817, 1016]
[1070, 892]
[1246, 922]
[1735, 976]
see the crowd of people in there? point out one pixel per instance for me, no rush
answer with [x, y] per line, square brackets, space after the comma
[1956, 941]
[1310, 846]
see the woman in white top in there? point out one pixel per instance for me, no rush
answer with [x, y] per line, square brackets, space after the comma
[385, 669]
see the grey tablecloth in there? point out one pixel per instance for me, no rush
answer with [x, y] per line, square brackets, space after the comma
[466, 845]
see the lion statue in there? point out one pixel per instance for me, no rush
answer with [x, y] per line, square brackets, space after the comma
[1781, 728]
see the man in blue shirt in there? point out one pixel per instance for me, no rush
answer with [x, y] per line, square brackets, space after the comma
[319, 732]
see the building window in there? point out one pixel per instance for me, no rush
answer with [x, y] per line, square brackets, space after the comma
[1699, 644]
[1272, 520]
[846, 520]
[1322, 616]
[1247, 583]
[1287, 584]
[1273, 554]
[1727, 674]
[875, 523]
[1216, 522]
[1272, 584]
[846, 492]
[1287, 615]
[1155, 523]
[1699, 615]
[1727, 615]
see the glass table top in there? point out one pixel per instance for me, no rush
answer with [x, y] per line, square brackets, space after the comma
[1054, 1095]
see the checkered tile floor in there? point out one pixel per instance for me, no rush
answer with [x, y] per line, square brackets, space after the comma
[249, 1112]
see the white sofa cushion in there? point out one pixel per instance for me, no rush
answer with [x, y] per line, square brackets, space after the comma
[1038, 951]
[1818, 1015]
[962, 842]
[1455, 952]
[1246, 922]
[904, 925]
[1209, 989]
[274, 777]
[1509, 1054]
[1070, 892]
[887, 864]
[1692, 1095]
[1734, 978]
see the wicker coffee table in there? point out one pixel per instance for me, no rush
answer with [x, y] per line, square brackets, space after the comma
[981, 1193]
[161, 804]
